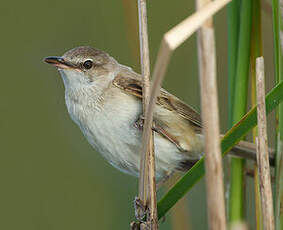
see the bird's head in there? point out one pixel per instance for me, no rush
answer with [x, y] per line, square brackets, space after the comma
[84, 66]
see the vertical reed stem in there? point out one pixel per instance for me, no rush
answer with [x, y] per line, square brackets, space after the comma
[233, 21]
[262, 150]
[147, 187]
[236, 199]
[210, 117]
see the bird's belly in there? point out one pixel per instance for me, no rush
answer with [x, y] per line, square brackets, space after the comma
[113, 134]
[117, 142]
[121, 146]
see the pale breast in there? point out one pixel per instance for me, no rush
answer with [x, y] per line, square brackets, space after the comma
[109, 127]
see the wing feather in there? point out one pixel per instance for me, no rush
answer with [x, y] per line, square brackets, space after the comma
[132, 84]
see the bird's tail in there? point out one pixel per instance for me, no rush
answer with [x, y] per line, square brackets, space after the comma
[243, 149]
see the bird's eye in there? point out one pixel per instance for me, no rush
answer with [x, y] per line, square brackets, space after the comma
[87, 64]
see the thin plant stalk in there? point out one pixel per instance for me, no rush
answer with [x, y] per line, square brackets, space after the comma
[147, 186]
[236, 193]
[262, 150]
[210, 117]
[233, 20]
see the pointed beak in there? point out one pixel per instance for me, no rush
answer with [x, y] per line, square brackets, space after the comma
[59, 62]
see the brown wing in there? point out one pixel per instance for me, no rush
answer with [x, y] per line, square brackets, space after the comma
[171, 102]
[131, 83]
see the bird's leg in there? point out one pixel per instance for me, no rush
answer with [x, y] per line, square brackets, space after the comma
[140, 226]
[142, 213]
[139, 123]
[140, 209]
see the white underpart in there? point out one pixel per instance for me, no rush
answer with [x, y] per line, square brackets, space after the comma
[107, 121]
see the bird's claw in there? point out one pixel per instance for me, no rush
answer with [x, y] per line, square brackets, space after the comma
[140, 209]
[139, 122]
[140, 226]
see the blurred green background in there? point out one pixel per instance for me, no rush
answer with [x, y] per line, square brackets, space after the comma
[50, 177]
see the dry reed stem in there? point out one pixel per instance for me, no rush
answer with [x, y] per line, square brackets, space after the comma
[147, 187]
[210, 118]
[144, 56]
[262, 150]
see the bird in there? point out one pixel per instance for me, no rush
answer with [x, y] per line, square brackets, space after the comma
[104, 98]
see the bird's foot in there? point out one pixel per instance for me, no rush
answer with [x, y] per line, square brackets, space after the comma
[140, 209]
[140, 226]
[139, 122]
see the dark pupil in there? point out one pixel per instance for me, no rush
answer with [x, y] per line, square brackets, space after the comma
[87, 64]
